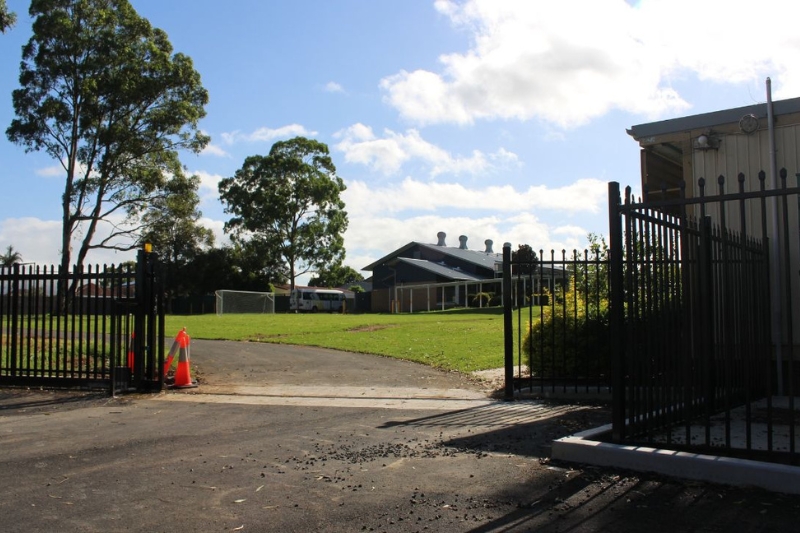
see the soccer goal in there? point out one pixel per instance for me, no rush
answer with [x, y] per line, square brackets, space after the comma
[230, 302]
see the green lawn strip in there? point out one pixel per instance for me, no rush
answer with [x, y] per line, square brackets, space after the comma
[460, 339]
[464, 340]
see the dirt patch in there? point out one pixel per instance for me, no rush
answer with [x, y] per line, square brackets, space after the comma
[493, 379]
[263, 338]
[367, 329]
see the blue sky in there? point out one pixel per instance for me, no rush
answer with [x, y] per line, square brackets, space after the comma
[499, 120]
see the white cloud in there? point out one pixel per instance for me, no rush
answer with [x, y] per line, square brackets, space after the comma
[574, 231]
[267, 134]
[504, 157]
[388, 154]
[218, 228]
[383, 219]
[585, 195]
[60, 170]
[213, 149]
[39, 241]
[568, 62]
[333, 87]
[373, 237]
[53, 171]
[209, 185]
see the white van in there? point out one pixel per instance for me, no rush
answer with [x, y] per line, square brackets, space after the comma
[312, 300]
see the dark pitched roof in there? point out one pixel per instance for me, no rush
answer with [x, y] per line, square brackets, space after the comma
[439, 269]
[389, 256]
[716, 118]
[472, 256]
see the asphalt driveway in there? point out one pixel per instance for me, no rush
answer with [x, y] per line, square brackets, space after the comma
[279, 438]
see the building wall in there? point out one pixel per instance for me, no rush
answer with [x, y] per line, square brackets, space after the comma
[381, 300]
[750, 154]
[382, 277]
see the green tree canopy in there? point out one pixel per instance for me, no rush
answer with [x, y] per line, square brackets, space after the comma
[230, 267]
[103, 94]
[337, 275]
[11, 257]
[7, 18]
[171, 226]
[527, 259]
[289, 203]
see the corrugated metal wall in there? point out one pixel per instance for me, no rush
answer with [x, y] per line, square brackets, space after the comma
[750, 154]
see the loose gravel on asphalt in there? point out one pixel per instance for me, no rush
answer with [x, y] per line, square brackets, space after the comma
[79, 462]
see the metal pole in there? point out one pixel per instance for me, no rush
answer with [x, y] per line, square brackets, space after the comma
[508, 332]
[777, 316]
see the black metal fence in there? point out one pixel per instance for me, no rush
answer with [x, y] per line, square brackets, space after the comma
[702, 320]
[90, 328]
[556, 334]
[687, 320]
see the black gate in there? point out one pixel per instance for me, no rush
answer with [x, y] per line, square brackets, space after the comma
[556, 323]
[701, 320]
[90, 328]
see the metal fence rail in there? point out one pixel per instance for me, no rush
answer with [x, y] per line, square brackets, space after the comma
[557, 323]
[90, 328]
[687, 320]
[694, 316]
[45, 343]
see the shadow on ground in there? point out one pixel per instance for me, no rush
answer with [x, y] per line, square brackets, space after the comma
[32, 401]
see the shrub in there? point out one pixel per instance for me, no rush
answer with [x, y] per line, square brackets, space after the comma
[570, 338]
[483, 299]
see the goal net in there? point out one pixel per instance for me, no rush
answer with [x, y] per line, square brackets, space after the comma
[230, 302]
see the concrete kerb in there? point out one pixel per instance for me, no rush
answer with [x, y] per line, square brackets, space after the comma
[335, 396]
[585, 447]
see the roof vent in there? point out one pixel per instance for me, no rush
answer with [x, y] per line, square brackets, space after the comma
[441, 236]
[489, 243]
[463, 240]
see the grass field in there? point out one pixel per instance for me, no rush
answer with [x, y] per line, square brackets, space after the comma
[463, 340]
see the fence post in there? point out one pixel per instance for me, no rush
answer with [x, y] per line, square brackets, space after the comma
[148, 324]
[139, 345]
[15, 310]
[706, 319]
[616, 314]
[508, 323]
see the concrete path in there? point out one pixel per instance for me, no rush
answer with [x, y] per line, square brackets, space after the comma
[268, 374]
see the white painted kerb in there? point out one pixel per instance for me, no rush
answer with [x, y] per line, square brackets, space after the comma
[582, 448]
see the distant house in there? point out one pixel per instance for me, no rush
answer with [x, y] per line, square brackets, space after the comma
[419, 264]
[421, 276]
[93, 289]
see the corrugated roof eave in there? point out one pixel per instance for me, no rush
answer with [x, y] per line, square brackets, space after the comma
[714, 118]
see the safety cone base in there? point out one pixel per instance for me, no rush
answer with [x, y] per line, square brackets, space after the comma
[192, 385]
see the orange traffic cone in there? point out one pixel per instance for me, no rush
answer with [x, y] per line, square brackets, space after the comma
[183, 377]
[130, 354]
[173, 351]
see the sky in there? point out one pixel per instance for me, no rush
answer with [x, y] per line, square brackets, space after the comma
[494, 119]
